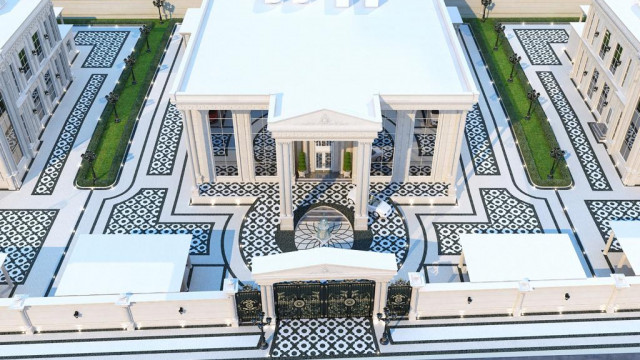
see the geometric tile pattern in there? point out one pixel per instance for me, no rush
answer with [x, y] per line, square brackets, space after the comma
[64, 143]
[482, 155]
[220, 144]
[264, 152]
[536, 44]
[226, 170]
[420, 170]
[166, 149]
[603, 211]
[306, 236]
[506, 214]
[583, 150]
[106, 46]
[426, 144]
[140, 214]
[22, 233]
[328, 338]
[383, 166]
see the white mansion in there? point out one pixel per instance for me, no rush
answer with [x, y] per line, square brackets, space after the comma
[606, 70]
[35, 53]
[268, 88]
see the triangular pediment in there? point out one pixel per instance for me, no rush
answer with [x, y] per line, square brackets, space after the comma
[326, 121]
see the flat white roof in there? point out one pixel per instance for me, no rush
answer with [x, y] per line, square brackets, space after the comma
[628, 11]
[323, 256]
[514, 257]
[12, 15]
[316, 56]
[116, 264]
[190, 21]
[628, 235]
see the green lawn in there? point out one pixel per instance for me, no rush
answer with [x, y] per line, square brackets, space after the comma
[535, 136]
[110, 139]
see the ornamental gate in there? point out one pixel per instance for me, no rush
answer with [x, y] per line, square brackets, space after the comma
[248, 304]
[399, 299]
[324, 299]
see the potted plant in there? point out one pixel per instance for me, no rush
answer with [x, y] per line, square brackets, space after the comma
[302, 164]
[346, 164]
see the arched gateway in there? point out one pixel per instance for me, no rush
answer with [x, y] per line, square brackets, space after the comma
[324, 282]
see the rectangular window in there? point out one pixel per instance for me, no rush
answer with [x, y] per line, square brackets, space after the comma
[423, 144]
[51, 90]
[592, 84]
[264, 146]
[615, 62]
[626, 72]
[603, 98]
[223, 142]
[382, 147]
[604, 48]
[632, 132]
[38, 109]
[24, 64]
[9, 133]
[35, 39]
[15, 79]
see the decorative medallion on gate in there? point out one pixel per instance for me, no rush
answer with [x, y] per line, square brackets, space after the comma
[399, 298]
[248, 303]
[326, 299]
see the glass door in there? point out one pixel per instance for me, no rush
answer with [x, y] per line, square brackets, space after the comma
[323, 155]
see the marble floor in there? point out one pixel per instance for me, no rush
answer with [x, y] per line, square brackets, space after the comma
[39, 223]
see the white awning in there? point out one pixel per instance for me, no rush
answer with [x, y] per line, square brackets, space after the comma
[115, 264]
[514, 257]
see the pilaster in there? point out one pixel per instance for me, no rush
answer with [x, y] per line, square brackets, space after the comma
[284, 159]
[244, 144]
[405, 123]
[363, 167]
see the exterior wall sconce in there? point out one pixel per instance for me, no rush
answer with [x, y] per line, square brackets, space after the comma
[57, 76]
[567, 296]
[469, 300]
[181, 311]
[76, 314]
[606, 103]
[596, 34]
[35, 111]
[47, 92]
[46, 36]
[585, 73]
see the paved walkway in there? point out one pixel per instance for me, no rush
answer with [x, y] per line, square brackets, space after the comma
[153, 191]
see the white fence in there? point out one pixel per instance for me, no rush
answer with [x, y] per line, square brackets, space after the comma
[142, 9]
[136, 311]
[610, 294]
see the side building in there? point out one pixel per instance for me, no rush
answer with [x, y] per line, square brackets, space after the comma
[606, 70]
[35, 71]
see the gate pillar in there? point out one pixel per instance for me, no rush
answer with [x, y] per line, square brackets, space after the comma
[267, 300]
[381, 297]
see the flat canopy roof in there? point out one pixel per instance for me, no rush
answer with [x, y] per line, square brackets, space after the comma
[116, 264]
[316, 56]
[12, 14]
[514, 257]
[628, 235]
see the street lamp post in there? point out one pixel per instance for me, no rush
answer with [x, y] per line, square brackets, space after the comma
[145, 30]
[130, 61]
[485, 4]
[499, 29]
[532, 95]
[556, 154]
[513, 59]
[90, 157]
[159, 4]
[388, 316]
[113, 100]
[260, 322]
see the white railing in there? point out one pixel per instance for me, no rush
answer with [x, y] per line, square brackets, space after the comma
[605, 294]
[130, 312]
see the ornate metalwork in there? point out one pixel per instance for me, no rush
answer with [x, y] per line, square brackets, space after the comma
[248, 304]
[331, 299]
[399, 298]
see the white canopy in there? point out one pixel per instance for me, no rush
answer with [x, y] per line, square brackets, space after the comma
[628, 235]
[514, 257]
[115, 264]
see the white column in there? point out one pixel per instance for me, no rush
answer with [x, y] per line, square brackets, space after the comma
[448, 145]
[363, 168]
[403, 141]
[381, 287]
[244, 144]
[230, 288]
[270, 310]
[416, 280]
[284, 158]
[199, 145]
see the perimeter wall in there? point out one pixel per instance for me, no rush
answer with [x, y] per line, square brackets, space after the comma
[140, 9]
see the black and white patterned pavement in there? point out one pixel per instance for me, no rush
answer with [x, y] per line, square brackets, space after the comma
[482, 155]
[536, 44]
[64, 144]
[165, 150]
[106, 46]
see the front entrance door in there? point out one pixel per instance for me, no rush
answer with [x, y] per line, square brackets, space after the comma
[323, 155]
[326, 299]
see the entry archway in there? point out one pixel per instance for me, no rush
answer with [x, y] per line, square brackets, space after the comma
[323, 265]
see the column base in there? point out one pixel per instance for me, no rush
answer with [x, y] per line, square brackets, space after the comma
[361, 223]
[286, 223]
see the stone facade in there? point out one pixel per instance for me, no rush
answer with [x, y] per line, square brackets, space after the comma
[34, 74]
[606, 70]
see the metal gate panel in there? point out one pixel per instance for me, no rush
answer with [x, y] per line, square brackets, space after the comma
[399, 299]
[248, 305]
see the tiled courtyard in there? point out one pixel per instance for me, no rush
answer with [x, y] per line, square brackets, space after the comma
[39, 223]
